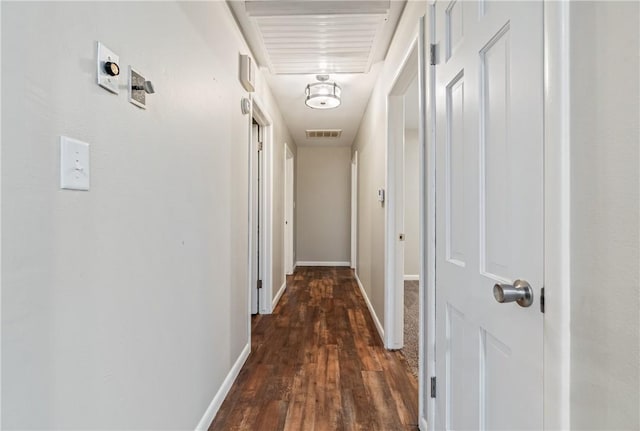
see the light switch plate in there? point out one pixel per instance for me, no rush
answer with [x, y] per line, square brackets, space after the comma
[74, 164]
[105, 80]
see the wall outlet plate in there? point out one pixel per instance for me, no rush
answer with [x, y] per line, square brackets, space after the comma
[137, 95]
[105, 80]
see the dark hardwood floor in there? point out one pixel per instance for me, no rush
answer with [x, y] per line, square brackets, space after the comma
[317, 363]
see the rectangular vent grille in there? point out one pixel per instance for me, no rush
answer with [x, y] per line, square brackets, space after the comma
[327, 133]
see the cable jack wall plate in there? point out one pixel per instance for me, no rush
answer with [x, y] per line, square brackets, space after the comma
[106, 81]
[137, 94]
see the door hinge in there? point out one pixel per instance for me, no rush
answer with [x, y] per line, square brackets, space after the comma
[433, 387]
[432, 54]
[259, 146]
[259, 284]
[542, 300]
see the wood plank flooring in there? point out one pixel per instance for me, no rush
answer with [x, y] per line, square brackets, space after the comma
[317, 364]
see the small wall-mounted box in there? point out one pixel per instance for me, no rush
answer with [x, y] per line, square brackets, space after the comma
[381, 195]
[247, 74]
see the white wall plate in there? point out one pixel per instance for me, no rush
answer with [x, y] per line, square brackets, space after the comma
[105, 80]
[74, 164]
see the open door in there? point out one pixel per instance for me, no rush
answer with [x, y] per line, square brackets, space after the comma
[289, 205]
[489, 215]
[256, 237]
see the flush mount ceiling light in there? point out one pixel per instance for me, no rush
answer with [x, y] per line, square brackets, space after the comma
[323, 94]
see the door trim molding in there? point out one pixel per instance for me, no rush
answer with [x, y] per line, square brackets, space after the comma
[394, 207]
[426, 221]
[289, 230]
[557, 216]
[354, 210]
[263, 118]
[427, 405]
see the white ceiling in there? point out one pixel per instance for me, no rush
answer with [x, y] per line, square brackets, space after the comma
[356, 89]
[293, 41]
[320, 43]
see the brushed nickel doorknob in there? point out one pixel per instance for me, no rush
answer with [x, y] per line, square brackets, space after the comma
[520, 291]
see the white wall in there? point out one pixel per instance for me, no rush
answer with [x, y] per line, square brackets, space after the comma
[605, 293]
[323, 204]
[371, 143]
[125, 306]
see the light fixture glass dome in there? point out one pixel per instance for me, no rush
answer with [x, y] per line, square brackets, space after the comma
[323, 94]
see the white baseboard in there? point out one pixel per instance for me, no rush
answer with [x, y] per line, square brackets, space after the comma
[412, 277]
[213, 408]
[423, 424]
[374, 316]
[311, 263]
[276, 299]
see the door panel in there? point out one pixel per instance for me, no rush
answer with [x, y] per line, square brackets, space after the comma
[495, 201]
[455, 148]
[289, 218]
[256, 214]
[489, 213]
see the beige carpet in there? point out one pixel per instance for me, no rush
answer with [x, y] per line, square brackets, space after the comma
[411, 320]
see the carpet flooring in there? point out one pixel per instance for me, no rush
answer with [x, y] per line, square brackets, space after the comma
[411, 320]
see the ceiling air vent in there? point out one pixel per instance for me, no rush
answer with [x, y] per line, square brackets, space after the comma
[325, 133]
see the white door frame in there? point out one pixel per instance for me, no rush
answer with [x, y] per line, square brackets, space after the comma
[557, 221]
[255, 238]
[264, 120]
[557, 216]
[427, 224]
[289, 210]
[394, 205]
[354, 210]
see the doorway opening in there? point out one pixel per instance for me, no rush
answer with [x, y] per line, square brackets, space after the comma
[354, 211]
[405, 210]
[402, 116]
[257, 213]
[289, 210]
[411, 227]
[260, 214]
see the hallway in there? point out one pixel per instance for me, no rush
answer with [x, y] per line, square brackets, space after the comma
[318, 363]
[166, 165]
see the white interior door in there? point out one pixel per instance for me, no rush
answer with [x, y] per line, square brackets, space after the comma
[489, 213]
[288, 212]
[256, 217]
